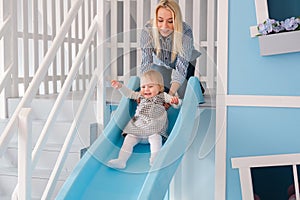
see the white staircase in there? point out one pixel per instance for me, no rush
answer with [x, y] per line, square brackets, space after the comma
[78, 49]
[40, 175]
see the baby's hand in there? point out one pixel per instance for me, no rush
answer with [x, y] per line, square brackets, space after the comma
[174, 100]
[116, 84]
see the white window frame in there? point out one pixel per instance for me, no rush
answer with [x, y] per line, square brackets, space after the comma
[244, 164]
[262, 13]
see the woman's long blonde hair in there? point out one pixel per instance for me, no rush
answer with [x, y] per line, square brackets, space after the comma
[177, 24]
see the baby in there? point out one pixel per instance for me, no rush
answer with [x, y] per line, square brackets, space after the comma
[150, 121]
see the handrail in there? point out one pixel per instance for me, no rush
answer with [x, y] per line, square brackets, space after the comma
[4, 28]
[6, 70]
[39, 76]
[69, 139]
[62, 95]
[54, 112]
[5, 77]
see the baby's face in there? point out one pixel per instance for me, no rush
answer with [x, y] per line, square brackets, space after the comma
[150, 90]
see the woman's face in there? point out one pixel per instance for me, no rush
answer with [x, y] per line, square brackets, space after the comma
[164, 22]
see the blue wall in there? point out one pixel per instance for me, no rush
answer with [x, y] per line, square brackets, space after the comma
[250, 73]
[251, 130]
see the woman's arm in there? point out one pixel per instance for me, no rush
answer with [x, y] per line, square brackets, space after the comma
[174, 87]
[183, 58]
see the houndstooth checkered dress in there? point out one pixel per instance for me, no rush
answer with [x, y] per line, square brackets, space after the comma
[150, 116]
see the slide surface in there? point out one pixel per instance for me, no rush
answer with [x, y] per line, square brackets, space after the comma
[92, 179]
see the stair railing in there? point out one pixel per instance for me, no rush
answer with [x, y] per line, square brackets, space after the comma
[59, 102]
[7, 61]
[31, 91]
[24, 154]
[4, 77]
[8, 132]
[57, 107]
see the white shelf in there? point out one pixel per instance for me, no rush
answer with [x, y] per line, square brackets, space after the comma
[279, 43]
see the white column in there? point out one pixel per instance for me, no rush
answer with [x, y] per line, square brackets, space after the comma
[126, 38]
[211, 6]
[197, 30]
[2, 70]
[113, 37]
[101, 92]
[221, 108]
[139, 25]
[11, 48]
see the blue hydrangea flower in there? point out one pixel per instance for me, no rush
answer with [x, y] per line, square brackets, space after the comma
[290, 24]
[272, 26]
[277, 27]
[266, 27]
[262, 29]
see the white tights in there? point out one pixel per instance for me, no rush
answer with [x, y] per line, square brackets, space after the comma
[130, 141]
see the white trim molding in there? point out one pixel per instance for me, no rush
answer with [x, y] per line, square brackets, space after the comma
[221, 109]
[262, 13]
[263, 101]
[244, 164]
[223, 99]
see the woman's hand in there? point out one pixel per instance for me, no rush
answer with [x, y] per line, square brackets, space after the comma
[115, 84]
[173, 89]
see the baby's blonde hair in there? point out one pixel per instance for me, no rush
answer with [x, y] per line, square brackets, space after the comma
[153, 76]
[178, 27]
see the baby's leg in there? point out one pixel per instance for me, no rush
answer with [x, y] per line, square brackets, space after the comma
[125, 152]
[155, 141]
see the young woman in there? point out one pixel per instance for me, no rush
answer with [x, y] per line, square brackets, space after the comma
[167, 46]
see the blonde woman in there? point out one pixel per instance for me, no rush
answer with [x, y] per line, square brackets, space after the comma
[167, 46]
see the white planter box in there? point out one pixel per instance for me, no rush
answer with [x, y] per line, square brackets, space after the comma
[279, 43]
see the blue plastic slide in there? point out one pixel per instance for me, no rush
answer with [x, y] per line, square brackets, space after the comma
[93, 179]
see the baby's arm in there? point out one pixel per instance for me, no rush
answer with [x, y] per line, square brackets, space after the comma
[125, 91]
[173, 100]
[116, 84]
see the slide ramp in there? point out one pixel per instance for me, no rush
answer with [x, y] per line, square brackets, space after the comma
[93, 179]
